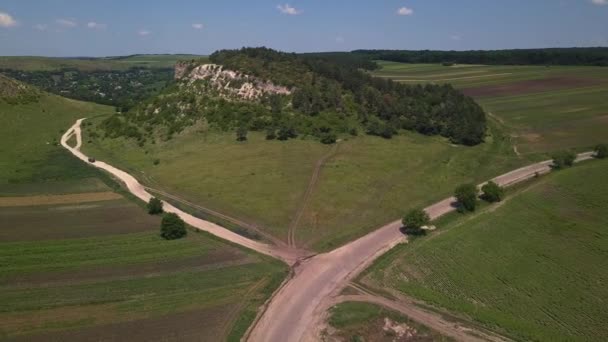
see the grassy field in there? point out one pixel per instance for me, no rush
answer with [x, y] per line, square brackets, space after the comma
[81, 260]
[29, 137]
[356, 321]
[533, 267]
[366, 182]
[543, 108]
[32, 63]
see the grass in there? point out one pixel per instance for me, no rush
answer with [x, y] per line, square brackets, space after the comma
[78, 271]
[35, 63]
[367, 183]
[30, 134]
[532, 268]
[358, 321]
[544, 108]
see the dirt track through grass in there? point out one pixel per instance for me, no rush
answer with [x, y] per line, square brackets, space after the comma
[291, 235]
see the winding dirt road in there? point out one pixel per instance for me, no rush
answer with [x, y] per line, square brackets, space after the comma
[290, 256]
[298, 307]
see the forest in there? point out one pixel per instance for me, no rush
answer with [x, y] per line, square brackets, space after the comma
[331, 97]
[120, 88]
[597, 56]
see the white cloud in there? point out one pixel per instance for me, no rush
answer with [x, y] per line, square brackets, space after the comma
[41, 27]
[405, 11]
[455, 37]
[67, 23]
[339, 39]
[287, 9]
[198, 26]
[94, 25]
[6, 20]
[600, 2]
[143, 33]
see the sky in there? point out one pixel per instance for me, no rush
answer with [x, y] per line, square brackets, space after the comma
[123, 27]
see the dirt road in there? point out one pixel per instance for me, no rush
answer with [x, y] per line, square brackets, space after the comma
[298, 307]
[288, 255]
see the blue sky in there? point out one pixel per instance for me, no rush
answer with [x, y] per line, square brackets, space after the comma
[112, 27]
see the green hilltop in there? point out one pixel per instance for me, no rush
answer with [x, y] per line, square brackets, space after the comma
[288, 95]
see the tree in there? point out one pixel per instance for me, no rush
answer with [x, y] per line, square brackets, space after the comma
[601, 151]
[172, 227]
[241, 133]
[466, 195]
[492, 192]
[563, 159]
[416, 219]
[155, 206]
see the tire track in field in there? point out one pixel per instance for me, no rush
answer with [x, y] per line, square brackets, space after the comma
[293, 225]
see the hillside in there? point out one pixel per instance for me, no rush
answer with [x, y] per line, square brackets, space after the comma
[286, 96]
[13, 91]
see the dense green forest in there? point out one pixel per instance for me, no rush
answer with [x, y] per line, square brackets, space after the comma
[330, 96]
[554, 56]
[120, 88]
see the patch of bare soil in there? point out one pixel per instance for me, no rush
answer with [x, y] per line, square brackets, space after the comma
[530, 86]
[22, 201]
[213, 259]
[196, 325]
[385, 330]
[47, 223]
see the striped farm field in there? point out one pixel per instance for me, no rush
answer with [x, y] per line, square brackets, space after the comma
[532, 268]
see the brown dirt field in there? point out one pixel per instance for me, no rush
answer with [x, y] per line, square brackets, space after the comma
[529, 86]
[195, 325]
[23, 201]
[214, 259]
[56, 222]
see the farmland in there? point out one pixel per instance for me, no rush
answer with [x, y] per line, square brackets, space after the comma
[531, 268]
[543, 108]
[82, 260]
[365, 182]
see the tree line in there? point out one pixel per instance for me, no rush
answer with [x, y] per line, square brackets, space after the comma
[597, 56]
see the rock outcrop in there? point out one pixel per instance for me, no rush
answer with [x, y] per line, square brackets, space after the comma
[228, 83]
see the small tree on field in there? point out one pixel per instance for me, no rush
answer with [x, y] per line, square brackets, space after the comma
[492, 192]
[155, 206]
[563, 159]
[466, 195]
[172, 227]
[601, 151]
[416, 219]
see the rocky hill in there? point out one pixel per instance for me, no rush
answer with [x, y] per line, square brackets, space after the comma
[288, 95]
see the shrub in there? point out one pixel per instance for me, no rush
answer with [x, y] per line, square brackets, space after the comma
[563, 159]
[492, 192]
[172, 227]
[155, 206]
[328, 138]
[241, 133]
[601, 151]
[466, 195]
[416, 219]
[156, 161]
